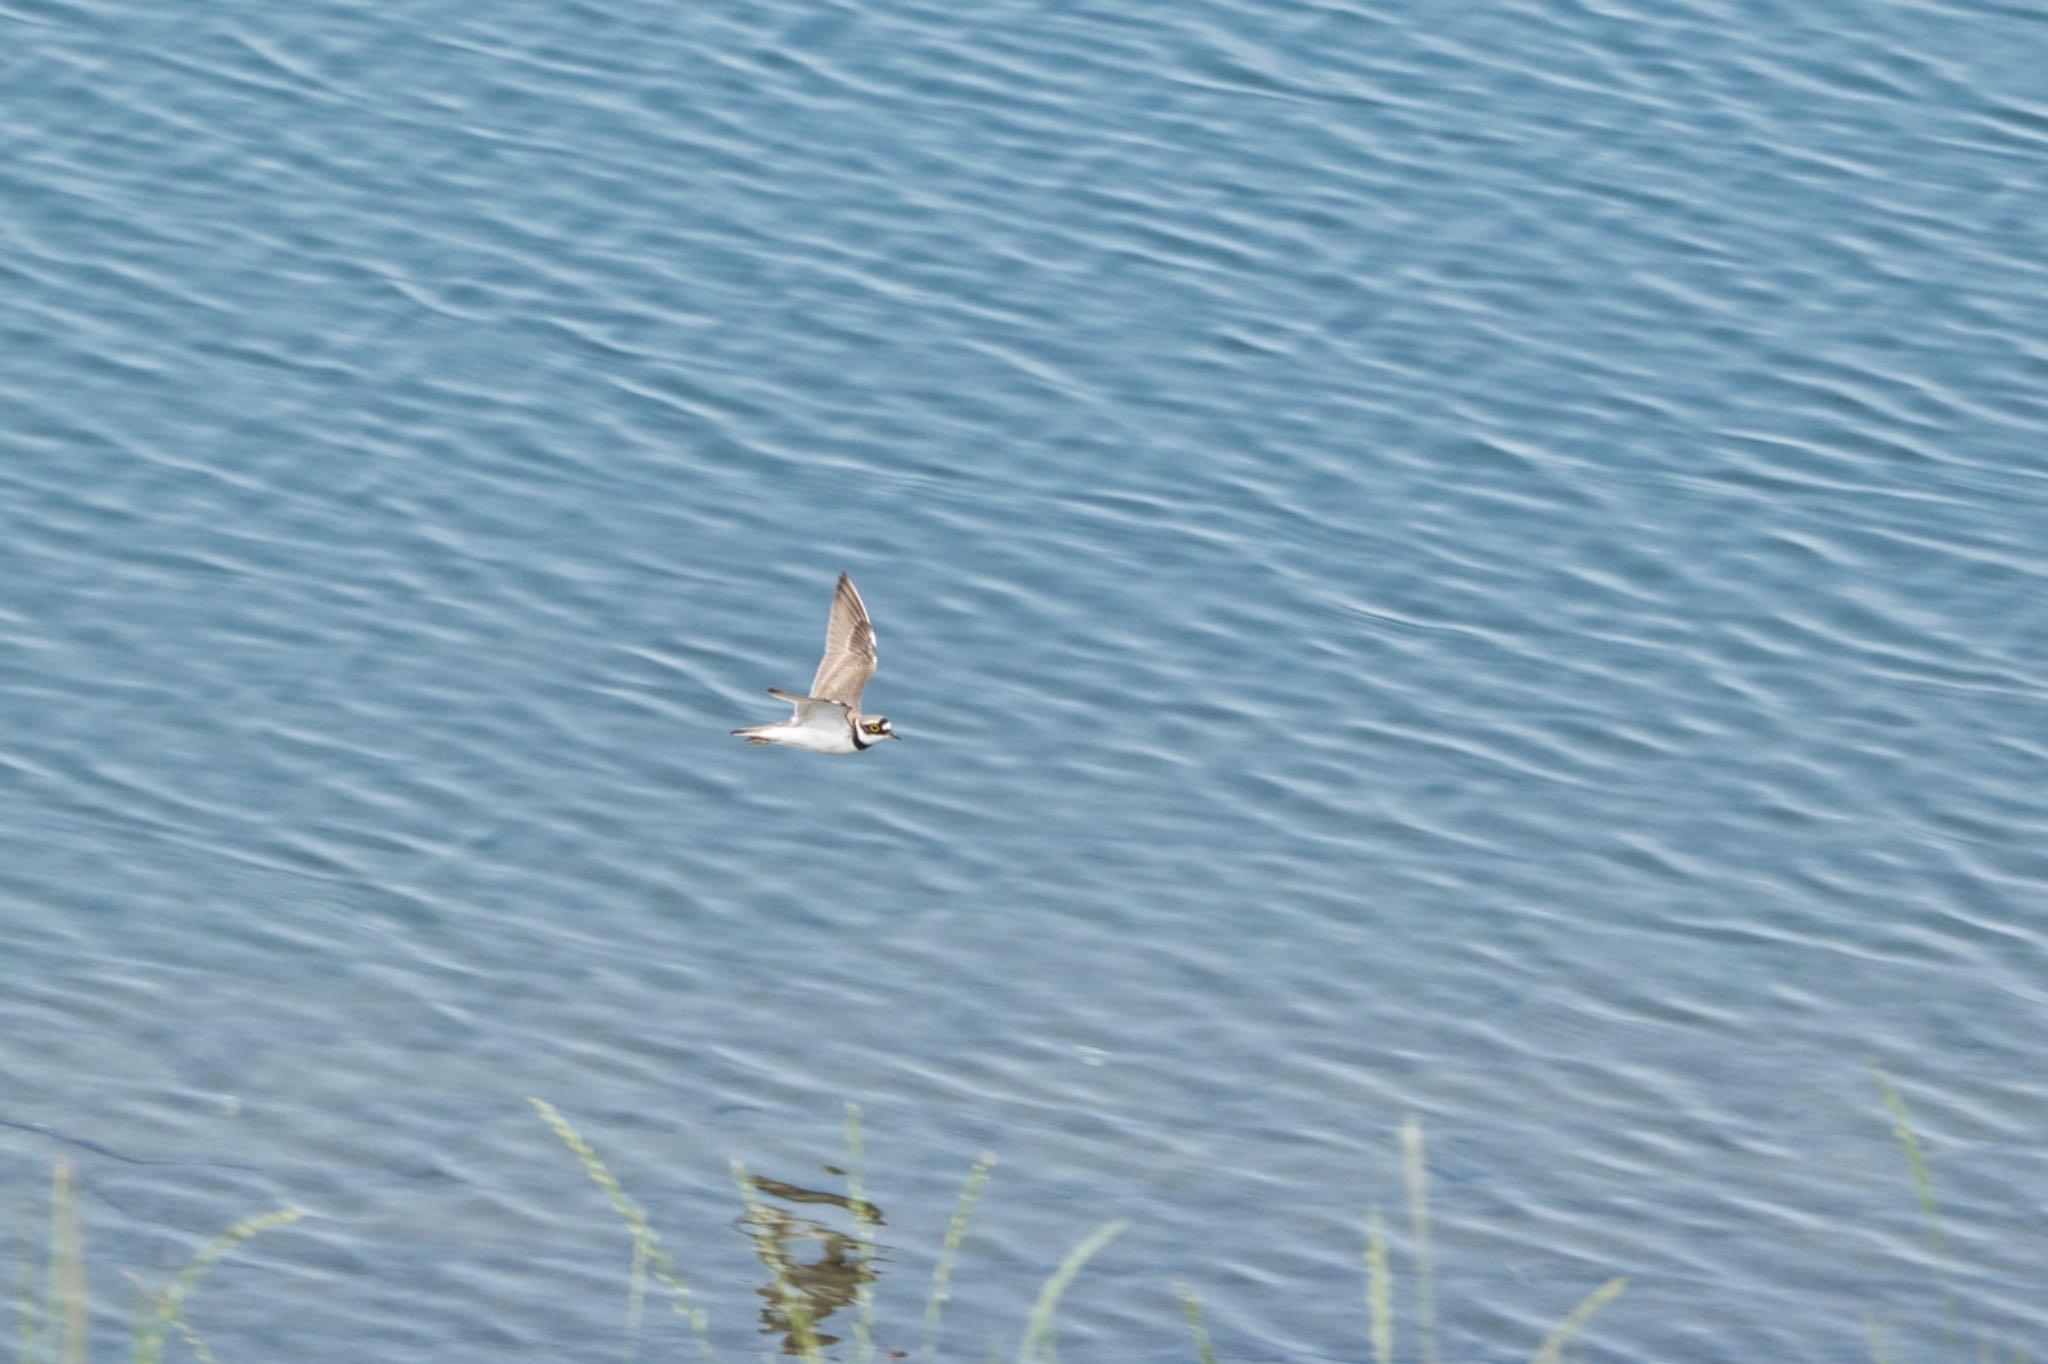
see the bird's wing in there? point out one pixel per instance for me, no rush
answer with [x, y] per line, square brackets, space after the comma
[812, 710]
[849, 649]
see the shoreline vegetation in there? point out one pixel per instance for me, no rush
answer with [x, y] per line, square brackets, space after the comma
[53, 1297]
[52, 1300]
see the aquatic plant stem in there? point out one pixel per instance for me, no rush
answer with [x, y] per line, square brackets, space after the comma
[1379, 1288]
[1552, 1349]
[1416, 1174]
[942, 1273]
[864, 1236]
[796, 1307]
[1037, 1346]
[1191, 1308]
[648, 1245]
[169, 1315]
[67, 1267]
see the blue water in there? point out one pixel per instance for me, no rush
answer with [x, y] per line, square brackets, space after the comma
[1478, 561]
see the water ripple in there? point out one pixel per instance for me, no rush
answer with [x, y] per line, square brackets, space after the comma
[1481, 564]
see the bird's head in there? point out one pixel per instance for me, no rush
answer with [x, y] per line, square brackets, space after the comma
[876, 728]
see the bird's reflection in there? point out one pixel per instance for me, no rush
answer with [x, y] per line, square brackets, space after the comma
[814, 1269]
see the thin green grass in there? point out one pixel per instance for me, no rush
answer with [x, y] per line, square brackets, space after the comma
[790, 1296]
[1916, 1159]
[864, 1219]
[1922, 1173]
[942, 1273]
[46, 1340]
[53, 1308]
[1191, 1308]
[1037, 1346]
[169, 1314]
[1379, 1288]
[53, 1317]
[1923, 1190]
[1552, 1349]
[648, 1255]
[1415, 1174]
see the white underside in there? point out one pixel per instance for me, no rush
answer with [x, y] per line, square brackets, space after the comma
[835, 738]
[820, 726]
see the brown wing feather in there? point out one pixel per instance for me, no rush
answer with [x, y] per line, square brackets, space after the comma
[849, 649]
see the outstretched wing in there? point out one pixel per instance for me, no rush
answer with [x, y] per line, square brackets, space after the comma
[849, 649]
[812, 710]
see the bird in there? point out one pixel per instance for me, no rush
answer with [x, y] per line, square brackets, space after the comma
[828, 719]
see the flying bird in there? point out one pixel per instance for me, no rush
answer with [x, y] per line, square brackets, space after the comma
[828, 720]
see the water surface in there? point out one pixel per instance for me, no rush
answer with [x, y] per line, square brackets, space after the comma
[1479, 562]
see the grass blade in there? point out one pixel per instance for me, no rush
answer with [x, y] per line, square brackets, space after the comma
[636, 1301]
[864, 1235]
[1552, 1349]
[64, 1307]
[1379, 1288]
[796, 1305]
[170, 1305]
[1191, 1308]
[1923, 1189]
[1916, 1160]
[647, 1245]
[196, 1343]
[942, 1273]
[1037, 1343]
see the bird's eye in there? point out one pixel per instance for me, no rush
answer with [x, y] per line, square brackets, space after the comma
[872, 729]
